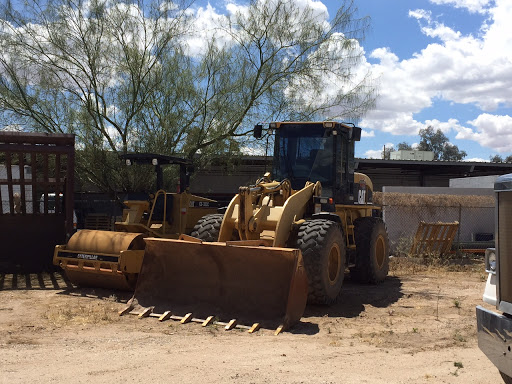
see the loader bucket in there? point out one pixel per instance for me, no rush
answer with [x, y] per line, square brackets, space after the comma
[102, 258]
[247, 283]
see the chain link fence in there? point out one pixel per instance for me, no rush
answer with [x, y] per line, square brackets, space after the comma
[403, 214]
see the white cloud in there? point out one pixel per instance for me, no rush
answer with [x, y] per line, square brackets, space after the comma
[442, 32]
[373, 154]
[489, 131]
[377, 153]
[12, 128]
[463, 69]
[253, 151]
[365, 133]
[472, 6]
[208, 22]
[205, 24]
[444, 126]
[476, 160]
[318, 8]
[420, 14]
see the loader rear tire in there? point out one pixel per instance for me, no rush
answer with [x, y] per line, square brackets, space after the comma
[208, 227]
[372, 251]
[324, 253]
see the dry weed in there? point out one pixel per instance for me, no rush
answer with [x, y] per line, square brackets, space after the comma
[80, 313]
[435, 264]
[423, 200]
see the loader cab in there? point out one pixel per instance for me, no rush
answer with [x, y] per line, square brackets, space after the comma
[322, 151]
[158, 161]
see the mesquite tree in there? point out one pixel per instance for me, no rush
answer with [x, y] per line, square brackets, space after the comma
[146, 76]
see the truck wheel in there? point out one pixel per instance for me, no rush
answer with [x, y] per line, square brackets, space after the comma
[372, 251]
[208, 227]
[323, 249]
[506, 378]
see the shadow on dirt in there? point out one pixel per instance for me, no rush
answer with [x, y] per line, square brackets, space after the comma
[99, 293]
[58, 281]
[52, 280]
[354, 296]
[304, 328]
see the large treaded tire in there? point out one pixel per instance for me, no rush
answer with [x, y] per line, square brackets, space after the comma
[324, 253]
[372, 251]
[506, 379]
[208, 227]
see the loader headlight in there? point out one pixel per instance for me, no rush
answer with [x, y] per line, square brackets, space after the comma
[490, 260]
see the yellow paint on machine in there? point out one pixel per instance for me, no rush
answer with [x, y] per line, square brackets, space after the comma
[102, 258]
[228, 281]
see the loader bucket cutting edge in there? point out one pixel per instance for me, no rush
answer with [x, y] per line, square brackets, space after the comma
[96, 258]
[247, 283]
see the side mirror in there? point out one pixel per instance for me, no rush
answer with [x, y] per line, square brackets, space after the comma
[258, 129]
[356, 134]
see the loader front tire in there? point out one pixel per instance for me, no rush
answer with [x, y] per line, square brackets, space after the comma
[324, 253]
[372, 251]
[208, 227]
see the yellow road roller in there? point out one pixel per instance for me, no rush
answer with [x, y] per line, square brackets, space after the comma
[112, 259]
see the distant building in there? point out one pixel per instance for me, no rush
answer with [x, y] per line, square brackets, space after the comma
[474, 182]
[412, 155]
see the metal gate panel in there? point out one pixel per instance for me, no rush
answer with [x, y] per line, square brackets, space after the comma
[36, 197]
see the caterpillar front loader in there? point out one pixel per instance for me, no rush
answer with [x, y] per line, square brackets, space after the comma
[279, 244]
[112, 259]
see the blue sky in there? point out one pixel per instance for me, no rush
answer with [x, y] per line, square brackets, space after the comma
[445, 63]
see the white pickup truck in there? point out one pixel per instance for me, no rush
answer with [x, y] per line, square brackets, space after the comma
[495, 327]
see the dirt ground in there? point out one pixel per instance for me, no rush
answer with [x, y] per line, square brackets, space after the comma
[419, 326]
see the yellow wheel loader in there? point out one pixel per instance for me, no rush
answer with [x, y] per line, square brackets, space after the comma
[112, 259]
[279, 244]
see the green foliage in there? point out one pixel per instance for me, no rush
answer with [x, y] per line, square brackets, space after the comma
[437, 142]
[386, 152]
[403, 146]
[499, 159]
[496, 159]
[121, 77]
